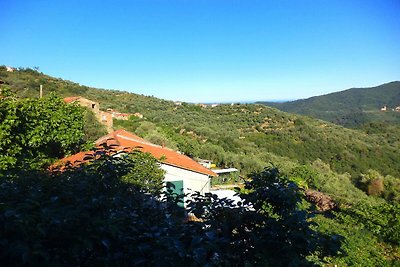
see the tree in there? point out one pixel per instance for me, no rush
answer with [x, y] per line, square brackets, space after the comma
[271, 227]
[34, 132]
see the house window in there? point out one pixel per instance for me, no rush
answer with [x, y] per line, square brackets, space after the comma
[93, 105]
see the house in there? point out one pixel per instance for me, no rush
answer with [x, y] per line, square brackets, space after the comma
[120, 116]
[103, 117]
[84, 102]
[9, 69]
[397, 109]
[123, 116]
[139, 115]
[384, 108]
[226, 171]
[205, 163]
[180, 170]
[201, 105]
[106, 118]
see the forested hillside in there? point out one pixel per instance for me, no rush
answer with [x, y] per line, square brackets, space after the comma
[350, 108]
[358, 169]
[244, 136]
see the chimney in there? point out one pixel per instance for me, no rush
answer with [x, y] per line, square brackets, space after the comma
[41, 91]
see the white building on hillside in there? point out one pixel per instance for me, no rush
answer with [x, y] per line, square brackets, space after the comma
[183, 172]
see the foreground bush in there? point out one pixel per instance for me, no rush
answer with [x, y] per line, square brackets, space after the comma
[103, 213]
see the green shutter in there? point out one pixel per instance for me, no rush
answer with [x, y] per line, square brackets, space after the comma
[177, 190]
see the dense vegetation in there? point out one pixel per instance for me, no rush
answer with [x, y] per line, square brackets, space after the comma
[35, 132]
[103, 214]
[358, 169]
[350, 108]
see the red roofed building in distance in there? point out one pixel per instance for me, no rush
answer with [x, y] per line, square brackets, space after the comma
[182, 171]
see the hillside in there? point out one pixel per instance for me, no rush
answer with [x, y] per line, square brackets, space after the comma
[350, 108]
[243, 136]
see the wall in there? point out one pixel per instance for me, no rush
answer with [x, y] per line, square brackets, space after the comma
[94, 106]
[192, 180]
[106, 119]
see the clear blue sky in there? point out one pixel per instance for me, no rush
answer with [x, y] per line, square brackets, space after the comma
[207, 51]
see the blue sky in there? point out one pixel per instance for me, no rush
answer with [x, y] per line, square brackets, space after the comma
[207, 51]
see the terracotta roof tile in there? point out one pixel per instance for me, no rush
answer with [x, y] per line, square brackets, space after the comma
[71, 99]
[125, 140]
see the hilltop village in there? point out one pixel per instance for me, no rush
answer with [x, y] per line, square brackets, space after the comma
[104, 117]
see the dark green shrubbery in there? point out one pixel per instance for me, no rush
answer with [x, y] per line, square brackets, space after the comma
[103, 213]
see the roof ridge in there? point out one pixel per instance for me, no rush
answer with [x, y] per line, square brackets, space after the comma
[141, 140]
[126, 139]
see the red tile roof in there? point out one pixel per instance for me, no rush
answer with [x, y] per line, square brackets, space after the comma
[128, 141]
[125, 139]
[71, 99]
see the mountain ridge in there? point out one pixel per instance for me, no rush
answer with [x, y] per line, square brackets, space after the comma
[351, 107]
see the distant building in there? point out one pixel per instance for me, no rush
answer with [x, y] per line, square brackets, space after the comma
[107, 120]
[139, 115]
[9, 69]
[178, 103]
[397, 109]
[225, 171]
[120, 116]
[201, 105]
[103, 117]
[84, 102]
[384, 108]
[205, 162]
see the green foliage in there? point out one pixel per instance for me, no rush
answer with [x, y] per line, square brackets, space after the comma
[371, 183]
[375, 184]
[33, 132]
[383, 220]
[99, 213]
[92, 128]
[370, 231]
[287, 222]
[226, 178]
[392, 189]
[103, 213]
[360, 247]
[304, 176]
[339, 186]
[144, 172]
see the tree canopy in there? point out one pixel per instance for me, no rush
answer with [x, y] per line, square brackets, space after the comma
[33, 132]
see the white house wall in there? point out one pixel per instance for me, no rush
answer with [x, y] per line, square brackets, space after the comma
[191, 180]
